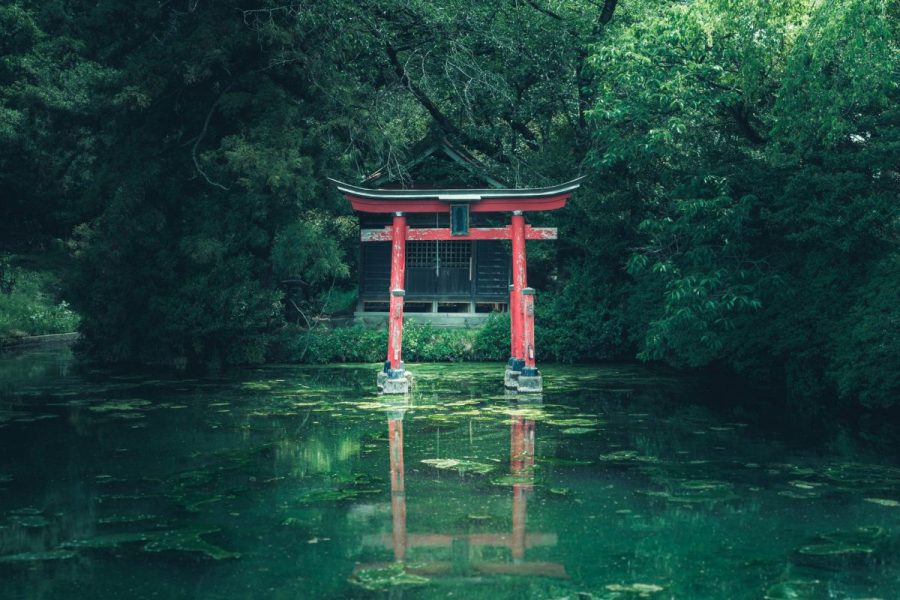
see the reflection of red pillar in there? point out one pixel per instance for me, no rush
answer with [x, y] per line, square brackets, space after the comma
[398, 492]
[519, 281]
[528, 327]
[398, 268]
[521, 463]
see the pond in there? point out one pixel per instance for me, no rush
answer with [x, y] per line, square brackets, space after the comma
[300, 482]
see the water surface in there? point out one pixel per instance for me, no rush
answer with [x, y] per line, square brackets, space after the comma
[299, 482]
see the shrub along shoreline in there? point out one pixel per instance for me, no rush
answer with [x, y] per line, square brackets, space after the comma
[421, 343]
[29, 301]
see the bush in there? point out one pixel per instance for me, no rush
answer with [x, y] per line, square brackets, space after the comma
[27, 307]
[421, 343]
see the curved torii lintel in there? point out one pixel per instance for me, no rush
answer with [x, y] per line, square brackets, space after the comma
[439, 200]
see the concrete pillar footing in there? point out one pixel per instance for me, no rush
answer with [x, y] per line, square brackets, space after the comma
[511, 379]
[528, 381]
[393, 385]
[533, 384]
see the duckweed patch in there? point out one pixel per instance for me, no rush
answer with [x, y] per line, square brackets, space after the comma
[797, 589]
[640, 589]
[577, 430]
[191, 541]
[883, 502]
[384, 578]
[459, 465]
[513, 480]
[119, 406]
[697, 492]
[332, 495]
[27, 557]
[856, 542]
[30, 521]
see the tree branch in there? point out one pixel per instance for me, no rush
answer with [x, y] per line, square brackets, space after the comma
[522, 129]
[742, 119]
[439, 117]
[606, 13]
[200, 137]
[542, 10]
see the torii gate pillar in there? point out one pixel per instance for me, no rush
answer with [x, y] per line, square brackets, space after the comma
[394, 379]
[521, 373]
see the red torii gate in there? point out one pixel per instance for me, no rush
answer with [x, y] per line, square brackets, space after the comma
[521, 372]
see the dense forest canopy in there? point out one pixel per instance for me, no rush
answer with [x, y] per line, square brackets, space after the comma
[743, 163]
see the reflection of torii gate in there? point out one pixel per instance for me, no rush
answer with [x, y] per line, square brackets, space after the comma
[517, 540]
[521, 372]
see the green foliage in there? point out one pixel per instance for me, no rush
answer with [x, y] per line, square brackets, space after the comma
[29, 305]
[868, 341]
[421, 343]
[304, 249]
[758, 144]
[491, 341]
[324, 345]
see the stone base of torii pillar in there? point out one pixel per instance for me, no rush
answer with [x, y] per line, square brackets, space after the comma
[522, 379]
[393, 381]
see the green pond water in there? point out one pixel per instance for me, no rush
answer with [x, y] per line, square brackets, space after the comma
[298, 482]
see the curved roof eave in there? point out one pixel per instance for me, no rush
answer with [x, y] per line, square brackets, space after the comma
[459, 195]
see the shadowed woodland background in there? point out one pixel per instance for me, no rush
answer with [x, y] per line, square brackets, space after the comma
[743, 163]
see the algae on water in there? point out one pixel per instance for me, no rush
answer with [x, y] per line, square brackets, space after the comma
[384, 578]
[460, 465]
[38, 556]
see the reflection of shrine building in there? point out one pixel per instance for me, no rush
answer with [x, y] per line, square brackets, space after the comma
[463, 550]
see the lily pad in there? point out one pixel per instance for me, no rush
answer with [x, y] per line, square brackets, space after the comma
[119, 406]
[641, 589]
[834, 549]
[28, 510]
[333, 495]
[855, 542]
[38, 556]
[256, 385]
[627, 456]
[32, 521]
[110, 540]
[513, 480]
[189, 540]
[386, 577]
[799, 494]
[461, 465]
[564, 462]
[576, 422]
[858, 475]
[805, 485]
[697, 492]
[855, 536]
[883, 502]
[118, 519]
[577, 430]
[796, 589]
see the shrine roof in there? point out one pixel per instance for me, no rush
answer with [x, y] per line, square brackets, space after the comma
[438, 200]
[456, 195]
